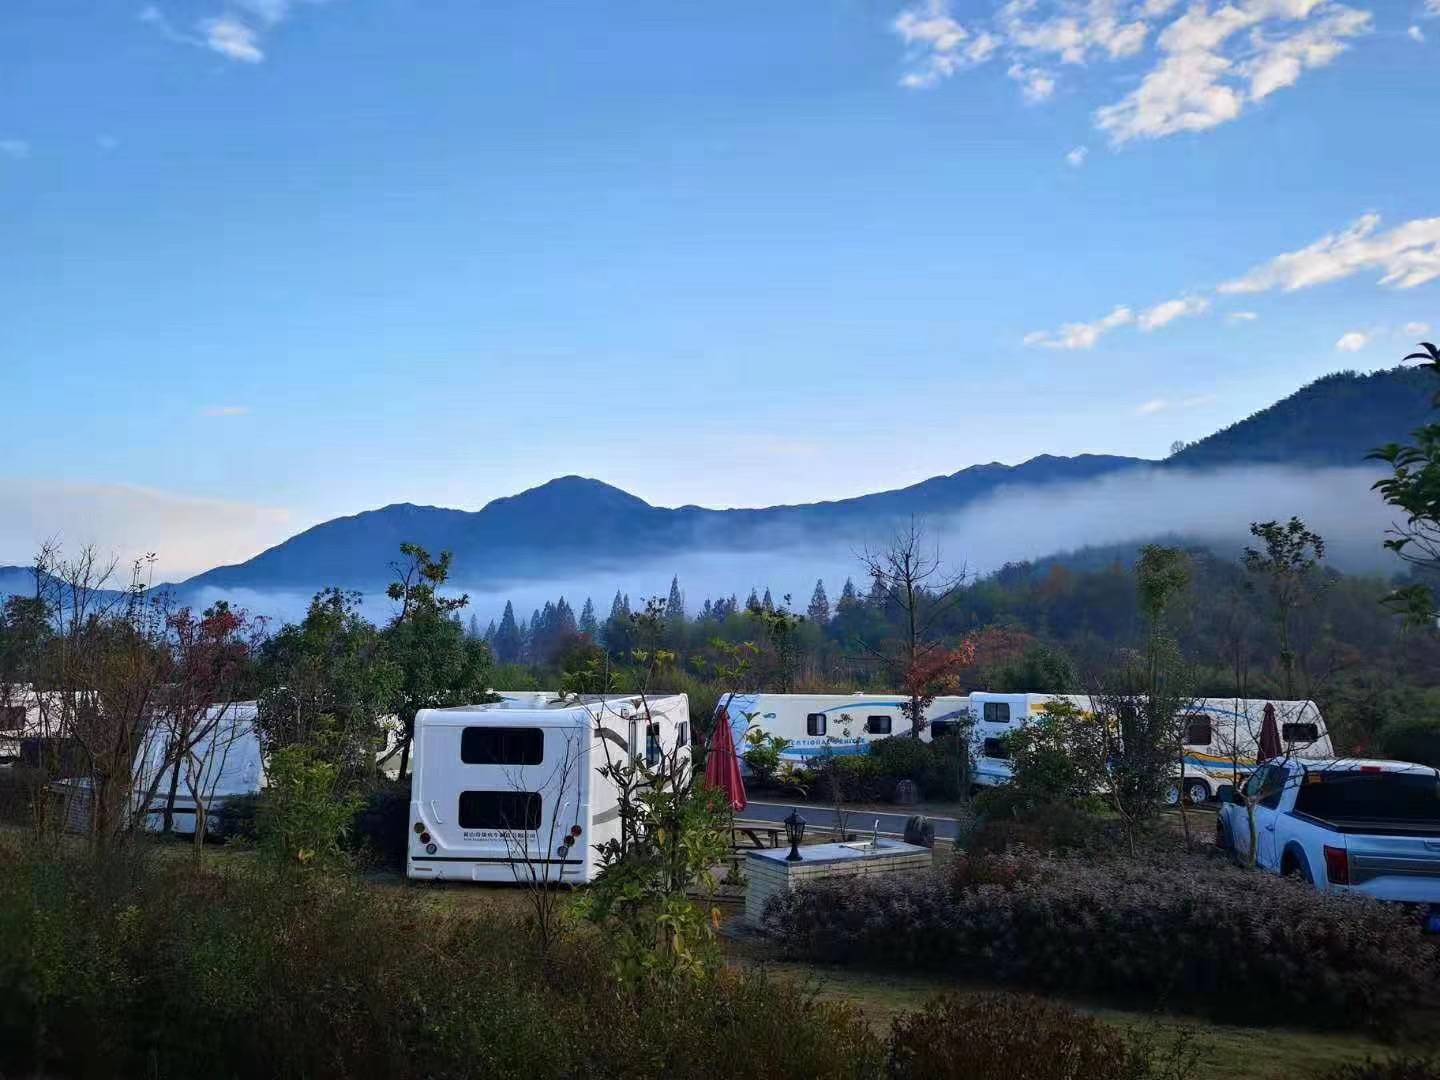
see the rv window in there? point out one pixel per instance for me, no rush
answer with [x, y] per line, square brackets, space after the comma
[682, 734]
[877, 725]
[940, 728]
[499, 810]
[1197, 731]
[997, 712]
[996, 748]
[1306, 733]
[502, 746]
[652, 744]
[815, 723]
[12, 717]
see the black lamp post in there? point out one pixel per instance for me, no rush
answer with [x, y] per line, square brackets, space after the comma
[795, 830]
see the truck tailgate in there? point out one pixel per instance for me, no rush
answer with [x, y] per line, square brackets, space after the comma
[1395, 867]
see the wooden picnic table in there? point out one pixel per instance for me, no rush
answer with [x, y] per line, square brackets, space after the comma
[752, 833]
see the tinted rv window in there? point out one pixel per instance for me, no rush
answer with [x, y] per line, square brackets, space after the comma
[652, 744]
[682, 734]
[877, 725]
[502, 746]
[815, 723]
[1197, 731]
[499, 810]
[1305, 733]
[940, 728]
[997, 712]
[996, 748]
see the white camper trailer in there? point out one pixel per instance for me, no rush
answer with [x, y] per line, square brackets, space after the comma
[1222, 737]
[512, 791]
[224, 762]
[817, 724]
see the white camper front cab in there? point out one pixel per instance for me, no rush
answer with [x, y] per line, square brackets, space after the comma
[512, 790]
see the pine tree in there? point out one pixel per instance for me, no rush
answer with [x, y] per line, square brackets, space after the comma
[473, 630]
[752, 602]
[675, 605]
[848, 596]
[707, 612]
[490, 632]
[768, 603]
[819, 609]
[589, 625]
[508, 641]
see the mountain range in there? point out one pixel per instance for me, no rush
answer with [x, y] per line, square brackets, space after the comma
[573, 523]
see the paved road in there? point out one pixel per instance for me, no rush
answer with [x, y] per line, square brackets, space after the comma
[861, 821]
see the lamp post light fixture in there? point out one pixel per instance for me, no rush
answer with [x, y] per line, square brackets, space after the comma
[795, 830]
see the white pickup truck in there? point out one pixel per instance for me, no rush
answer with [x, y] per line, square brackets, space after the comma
[1346, 825]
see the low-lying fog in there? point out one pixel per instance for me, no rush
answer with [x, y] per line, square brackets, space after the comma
[1214, 507]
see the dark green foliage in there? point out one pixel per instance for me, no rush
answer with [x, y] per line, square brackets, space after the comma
[1186, 931]
[123, 967]
[1009, 1037]
[1397, 1068]
[383, 822]
[1412, 738]
[1008, 819]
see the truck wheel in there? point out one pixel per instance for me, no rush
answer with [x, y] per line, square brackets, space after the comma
[1197, 791]
[1296, 866]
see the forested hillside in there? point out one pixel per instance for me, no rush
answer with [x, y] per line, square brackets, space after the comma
[1336, 420]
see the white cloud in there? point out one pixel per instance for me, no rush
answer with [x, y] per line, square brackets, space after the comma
[1150, 408]
[1416, 34]
[16, 149]
[226, 410]
[187, 534]
[1417, 328]
[1157, 405]
[1354, 341]
[230, 37]
[235, 32]
[1237, 317]
[1077, 156]
[1036, 84]
[937, 44]
[1081, 335]
[1209, 63]
[1405, 256]
[1205, 79]
[1163, 314]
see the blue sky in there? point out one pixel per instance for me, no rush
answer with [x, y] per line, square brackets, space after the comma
[263, 262]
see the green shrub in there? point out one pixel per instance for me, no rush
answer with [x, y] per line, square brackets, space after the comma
[1412, 738]
[1009, 1037]
[161, 968]
[306, 814]
[1190, 930]
[859, 777]
[1008, 819]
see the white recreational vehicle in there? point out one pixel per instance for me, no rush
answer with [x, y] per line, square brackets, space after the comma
[224, 762]
[1221, 742]
[1221, 737]
[512, 790]
[817, 724]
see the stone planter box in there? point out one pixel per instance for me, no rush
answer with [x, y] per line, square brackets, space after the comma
[770, 874]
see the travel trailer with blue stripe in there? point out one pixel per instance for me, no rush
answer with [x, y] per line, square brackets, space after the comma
[819, 724]
[1221, 734]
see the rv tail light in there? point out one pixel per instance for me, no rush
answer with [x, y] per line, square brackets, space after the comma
[425, 838]
[419, 827]
[1371, 768]
[575, 831]
[430, 849]
[563, 850]
[1337, 865]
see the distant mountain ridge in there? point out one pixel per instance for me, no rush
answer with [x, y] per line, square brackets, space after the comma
[573, 523]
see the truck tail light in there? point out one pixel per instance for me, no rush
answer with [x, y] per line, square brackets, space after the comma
[1337, 865]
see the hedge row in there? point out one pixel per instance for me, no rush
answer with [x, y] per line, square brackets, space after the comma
[1184, 930]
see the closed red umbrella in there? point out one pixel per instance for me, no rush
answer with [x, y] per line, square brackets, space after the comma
[1269, 736]
[722, 765]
